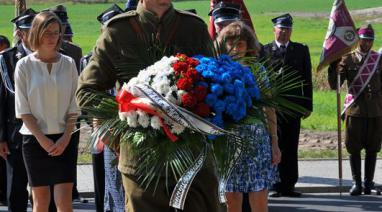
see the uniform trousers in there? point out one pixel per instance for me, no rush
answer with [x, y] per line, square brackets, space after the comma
[363, 133]
[202, 195]
[288, 139]
[17, 193]
[3, 180]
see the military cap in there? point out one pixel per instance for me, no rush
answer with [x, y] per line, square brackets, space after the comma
[283, 21]
[131, 5]
[366, 32]
[109, 13]
[68, 30]
[24, 20]
[224, 11]
[191, 11]
[60, 11]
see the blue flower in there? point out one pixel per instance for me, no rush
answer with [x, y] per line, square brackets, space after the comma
[201, 83]
[229, 88]
[226, 77]
[254, 92]
[219, 106]
[211, 99]
[217, 89]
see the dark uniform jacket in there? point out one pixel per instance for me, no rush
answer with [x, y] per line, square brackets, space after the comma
[369, 103]
[296, 58]
[125, 47]
[72, 50]
[9, 125]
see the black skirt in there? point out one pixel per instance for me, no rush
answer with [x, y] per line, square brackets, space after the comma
[45, 170]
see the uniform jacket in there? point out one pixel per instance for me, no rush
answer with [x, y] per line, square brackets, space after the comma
[73, 51]
[121, 52]
[296, 58]
[369, 103]
[9, 125]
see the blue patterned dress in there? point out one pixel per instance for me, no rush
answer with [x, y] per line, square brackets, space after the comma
[254, 173]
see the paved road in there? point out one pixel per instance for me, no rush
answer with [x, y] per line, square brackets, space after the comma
[315, 176]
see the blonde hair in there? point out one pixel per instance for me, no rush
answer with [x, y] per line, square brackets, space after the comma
[240, 31]
[39, 25]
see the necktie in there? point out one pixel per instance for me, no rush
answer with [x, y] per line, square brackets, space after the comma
[282, 50]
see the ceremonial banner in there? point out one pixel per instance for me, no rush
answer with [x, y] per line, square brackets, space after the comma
[244, 15]
[341, 36]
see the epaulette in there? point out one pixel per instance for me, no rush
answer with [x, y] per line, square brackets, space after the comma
[129, 14]
[186, 13]
[8, 50]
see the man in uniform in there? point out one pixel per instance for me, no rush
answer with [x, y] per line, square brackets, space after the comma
[120, 52]
[223, 14]
[10, 138]
[98, 160]
[4, 44]
[363, 108]
[285, 56]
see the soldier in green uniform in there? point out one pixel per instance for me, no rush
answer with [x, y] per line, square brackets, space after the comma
[363, 115]
[118, 56]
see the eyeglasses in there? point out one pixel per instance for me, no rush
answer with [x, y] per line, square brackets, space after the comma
[51, 34]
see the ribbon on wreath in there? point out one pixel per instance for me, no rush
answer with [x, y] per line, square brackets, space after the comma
[149, 100]
[127, 102]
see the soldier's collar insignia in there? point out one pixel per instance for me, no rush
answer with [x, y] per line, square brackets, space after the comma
[19, 55]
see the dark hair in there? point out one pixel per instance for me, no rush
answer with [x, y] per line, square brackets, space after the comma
[4, 40]
[240, 31]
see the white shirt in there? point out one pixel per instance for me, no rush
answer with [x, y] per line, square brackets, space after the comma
[48, 97]
[280, 44]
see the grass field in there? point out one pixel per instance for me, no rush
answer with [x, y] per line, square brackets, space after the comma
[307, 30]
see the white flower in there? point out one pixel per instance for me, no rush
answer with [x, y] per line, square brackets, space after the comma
[122, 116]
[155, 122]
[169, 97]
[143, 118]
[177, 128]
[132, 82]
[132, 118]
[180, 93]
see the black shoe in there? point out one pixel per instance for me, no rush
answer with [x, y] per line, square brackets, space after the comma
[356, 190]
[275, 194]
[370, 188]
[291, 194]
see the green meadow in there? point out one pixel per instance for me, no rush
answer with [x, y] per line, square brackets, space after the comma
[307, 29]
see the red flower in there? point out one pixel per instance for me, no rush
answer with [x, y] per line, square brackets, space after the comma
[180, 67]
[191, 61]
[189, 101]
[202, 109]
[184, 84]
[200, 93]
[182, 57]
[193, 74]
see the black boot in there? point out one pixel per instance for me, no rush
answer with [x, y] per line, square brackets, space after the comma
[370, 162]
[355, 165]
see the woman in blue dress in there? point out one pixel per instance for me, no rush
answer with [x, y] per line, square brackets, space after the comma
[254, 175]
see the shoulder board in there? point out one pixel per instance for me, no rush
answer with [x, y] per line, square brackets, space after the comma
[8, 50]
[186, 13]
[119, 17]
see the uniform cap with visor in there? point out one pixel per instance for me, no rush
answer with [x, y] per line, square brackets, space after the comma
[224, 11]
[24, 20]
[283, 21]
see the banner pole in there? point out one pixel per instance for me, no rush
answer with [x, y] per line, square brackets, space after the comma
[339, 142]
